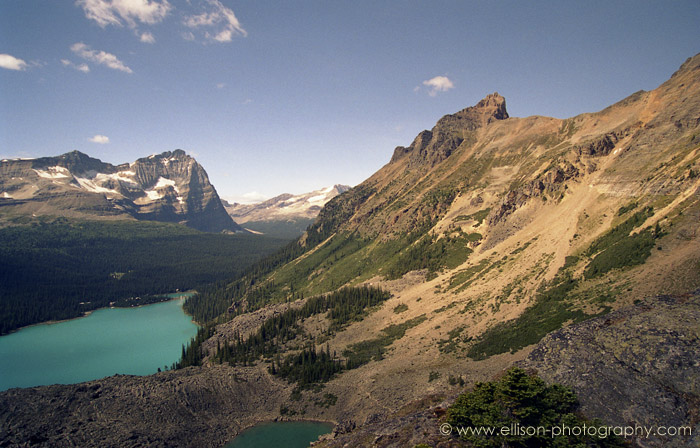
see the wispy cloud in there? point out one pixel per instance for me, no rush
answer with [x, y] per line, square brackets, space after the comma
[210, 19]
[100, 139]
[99, 57]
[10, 62]
[129, 12]
[80, 67]
[147, 38]
[218, 22]
[438, 84]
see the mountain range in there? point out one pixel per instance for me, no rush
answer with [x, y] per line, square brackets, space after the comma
[567, 246]
[168, 187]
[283, 215]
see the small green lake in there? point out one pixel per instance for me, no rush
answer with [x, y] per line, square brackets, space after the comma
[280, 434]
[134, 341]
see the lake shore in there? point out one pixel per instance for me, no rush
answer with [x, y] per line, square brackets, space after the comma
[89, 312]
[288, 432]
[134, 340]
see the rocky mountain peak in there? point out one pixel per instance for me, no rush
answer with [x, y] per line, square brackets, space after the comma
[74, 161]
[493, 105]
[170, 187]
[691, 64]
[434, 146]
[285, 206]
[488, 110]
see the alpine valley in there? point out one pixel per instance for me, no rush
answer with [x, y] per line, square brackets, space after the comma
[567, 249]
[285, 215]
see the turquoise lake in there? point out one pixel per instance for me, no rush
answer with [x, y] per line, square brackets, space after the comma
[280, 434]
[134, 341]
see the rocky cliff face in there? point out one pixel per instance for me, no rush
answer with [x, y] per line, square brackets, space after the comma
[170, 187]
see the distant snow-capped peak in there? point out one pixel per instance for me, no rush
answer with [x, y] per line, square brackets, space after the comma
[285, 206]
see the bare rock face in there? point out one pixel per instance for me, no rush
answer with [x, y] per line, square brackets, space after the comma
[169, 187]
[193, 407]
[432, 147]
[636, 366]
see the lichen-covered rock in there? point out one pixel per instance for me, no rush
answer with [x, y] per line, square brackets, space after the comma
[639, 365]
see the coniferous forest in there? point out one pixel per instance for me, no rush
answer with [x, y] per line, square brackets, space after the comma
[59, 269]
[309, 366]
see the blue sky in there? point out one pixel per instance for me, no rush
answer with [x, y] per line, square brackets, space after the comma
[275, 97]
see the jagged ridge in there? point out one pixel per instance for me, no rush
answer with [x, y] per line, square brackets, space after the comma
[169, 187]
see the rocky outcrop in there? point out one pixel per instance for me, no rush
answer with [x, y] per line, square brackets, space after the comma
[599, 147]
[169, 187]
[415, 423]
[549, 182]
[194, 407]
[432, 147]
[636, 366]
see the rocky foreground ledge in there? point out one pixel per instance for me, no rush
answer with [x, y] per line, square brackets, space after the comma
[638, 366]
[193, 407]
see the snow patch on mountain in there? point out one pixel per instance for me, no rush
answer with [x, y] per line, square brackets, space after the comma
[89, 185]
[285, 206]
[165, 183]
[53, 172]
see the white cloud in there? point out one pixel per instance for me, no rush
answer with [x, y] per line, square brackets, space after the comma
[101, 139]
[147, 38]
[220, 24]
[80, 67]
[99, 57]
[438, 84]
[118, 12]
[12, 63]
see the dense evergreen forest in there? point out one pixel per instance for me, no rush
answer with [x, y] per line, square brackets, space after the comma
[58, 269]
[216, 298]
